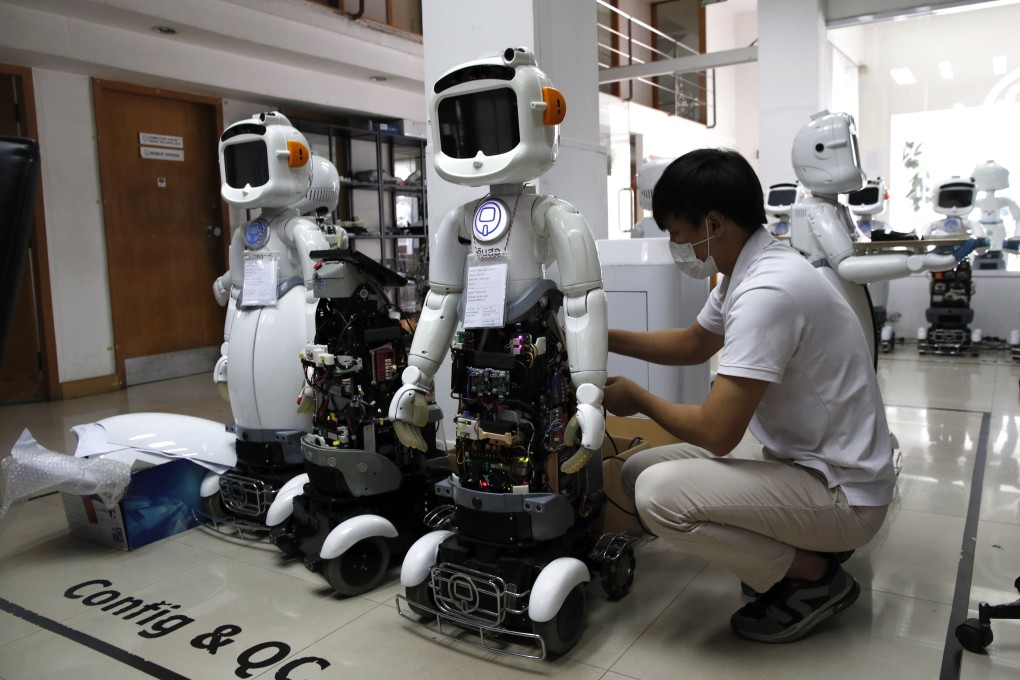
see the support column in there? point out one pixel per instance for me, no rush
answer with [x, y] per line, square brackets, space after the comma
[792, 80]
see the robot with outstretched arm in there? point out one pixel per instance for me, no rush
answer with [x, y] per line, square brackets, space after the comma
[827, 163]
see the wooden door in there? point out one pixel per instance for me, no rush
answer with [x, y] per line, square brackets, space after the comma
[165, 241]
[21, 371]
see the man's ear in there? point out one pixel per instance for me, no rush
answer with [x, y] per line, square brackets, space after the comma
[715, 219]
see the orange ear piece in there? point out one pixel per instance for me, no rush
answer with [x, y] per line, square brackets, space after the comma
[555, 106]
[298, 154]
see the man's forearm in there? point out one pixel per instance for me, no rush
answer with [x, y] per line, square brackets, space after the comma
[658, 347]
[686, 422]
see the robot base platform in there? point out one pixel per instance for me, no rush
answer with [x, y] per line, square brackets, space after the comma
[382, 519]
[247, 490]
[481, 597]
[948, 342]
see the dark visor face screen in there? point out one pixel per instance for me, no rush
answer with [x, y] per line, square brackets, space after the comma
[782, 196]
[479, 121]
[955, 198]
[246, 163]
[864, 196]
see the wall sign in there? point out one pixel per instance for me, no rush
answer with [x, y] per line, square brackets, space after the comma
[150, 139]
[162, 154]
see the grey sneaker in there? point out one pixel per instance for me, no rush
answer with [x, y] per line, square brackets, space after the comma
[792, 607]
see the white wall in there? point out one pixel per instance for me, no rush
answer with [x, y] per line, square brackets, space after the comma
[74, 225]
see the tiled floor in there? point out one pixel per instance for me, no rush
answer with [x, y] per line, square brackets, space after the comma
[244, 611]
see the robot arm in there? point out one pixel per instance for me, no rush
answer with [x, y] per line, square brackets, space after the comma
[436, 325]
[835, 243]
[304, 236]
[1014, 211]
[586, 324]
[228, 285]
[883, 267]
[1013, 244]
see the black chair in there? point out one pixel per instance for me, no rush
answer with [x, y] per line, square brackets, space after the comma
[19, 173]
[976, 634]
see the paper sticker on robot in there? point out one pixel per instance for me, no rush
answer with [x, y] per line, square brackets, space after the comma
[486, 296]
[261, 273]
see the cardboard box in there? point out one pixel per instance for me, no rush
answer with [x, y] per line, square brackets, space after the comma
[624, 438]
[161, 501]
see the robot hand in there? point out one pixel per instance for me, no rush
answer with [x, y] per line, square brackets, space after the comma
[221, 289]
[590, 420]
[409, 408]
[1011, 244]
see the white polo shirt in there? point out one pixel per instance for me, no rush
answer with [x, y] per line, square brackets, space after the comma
[785, 324]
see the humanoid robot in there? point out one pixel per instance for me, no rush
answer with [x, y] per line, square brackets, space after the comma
[647, 176]
[363, 498]
[990, 177]
[779, 203]
[865, 203]
[528, 492]
[949, 314]
[266, 163]
[955, 198]
[827, 163]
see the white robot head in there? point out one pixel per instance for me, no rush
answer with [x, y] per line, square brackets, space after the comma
[647, 176]
[495, 120]
[264, 162]
[870, 200]
[990, 176]
[825, 156]
[780, 198]
[954, 197]
[324, 192]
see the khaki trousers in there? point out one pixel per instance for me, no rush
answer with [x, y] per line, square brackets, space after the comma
[747, 511]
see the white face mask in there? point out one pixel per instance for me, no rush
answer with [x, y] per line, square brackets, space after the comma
[688, 262]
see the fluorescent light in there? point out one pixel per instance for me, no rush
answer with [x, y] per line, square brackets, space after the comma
[903, 76]
[946, 70]
[999, 64]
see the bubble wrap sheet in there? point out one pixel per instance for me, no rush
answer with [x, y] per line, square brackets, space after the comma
[32, 469]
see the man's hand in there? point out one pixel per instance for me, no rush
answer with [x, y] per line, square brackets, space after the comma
[620, 395]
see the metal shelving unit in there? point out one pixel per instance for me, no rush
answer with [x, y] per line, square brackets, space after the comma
[382, 202]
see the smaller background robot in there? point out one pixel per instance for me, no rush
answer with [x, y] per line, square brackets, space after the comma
[779, 200]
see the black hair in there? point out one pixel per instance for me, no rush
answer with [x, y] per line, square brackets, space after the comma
[704, 180]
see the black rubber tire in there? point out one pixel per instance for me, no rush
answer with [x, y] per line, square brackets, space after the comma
[421, 594]
[360, 569]
[213, 507]
[563, 630]
[618, 574]
[973, 636]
